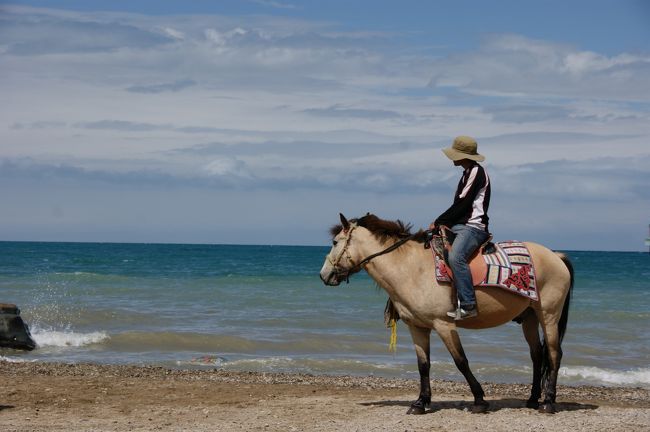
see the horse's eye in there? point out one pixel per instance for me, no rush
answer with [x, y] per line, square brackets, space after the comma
[334, 242]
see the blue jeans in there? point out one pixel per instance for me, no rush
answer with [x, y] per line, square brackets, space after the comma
[467, 240]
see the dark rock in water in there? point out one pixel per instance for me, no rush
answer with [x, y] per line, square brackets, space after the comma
[14, 333]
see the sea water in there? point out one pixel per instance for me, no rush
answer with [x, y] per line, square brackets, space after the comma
[264, 308]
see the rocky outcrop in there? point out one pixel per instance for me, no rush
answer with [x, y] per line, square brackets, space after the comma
[14, 333]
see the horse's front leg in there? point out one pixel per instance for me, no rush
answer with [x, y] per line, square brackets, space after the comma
[449, 335]
[421, 339]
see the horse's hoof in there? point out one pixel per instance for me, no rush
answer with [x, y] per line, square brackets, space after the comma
[532, 404]
[419, 406]
[547, 408]
[416, 410]
[480, 408]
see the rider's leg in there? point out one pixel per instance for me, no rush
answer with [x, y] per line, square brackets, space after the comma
[467, 240]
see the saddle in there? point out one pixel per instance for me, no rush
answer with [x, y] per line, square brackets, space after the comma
[441, 245]
[506, 265]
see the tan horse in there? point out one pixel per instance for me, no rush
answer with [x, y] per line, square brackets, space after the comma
[408, 276]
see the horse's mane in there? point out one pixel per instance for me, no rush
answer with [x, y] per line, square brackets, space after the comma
[382, 229]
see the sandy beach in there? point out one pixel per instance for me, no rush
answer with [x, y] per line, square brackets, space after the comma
[63, 397]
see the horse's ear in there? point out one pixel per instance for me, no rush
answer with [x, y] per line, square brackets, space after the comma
[344, 222]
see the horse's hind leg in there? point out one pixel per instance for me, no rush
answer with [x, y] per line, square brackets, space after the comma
[554, 357]
[530, 327]
[449, 335]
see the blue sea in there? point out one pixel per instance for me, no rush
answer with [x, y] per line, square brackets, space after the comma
[264, 308]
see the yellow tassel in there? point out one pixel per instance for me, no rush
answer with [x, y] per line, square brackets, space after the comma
[392, 346]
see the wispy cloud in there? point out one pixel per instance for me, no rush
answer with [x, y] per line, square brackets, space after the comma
[526, 113]
[274, 4]
[243, 106]
[38, 125]
[122, 125]
[44, 33]
[338, 111]
[393, 169]
[513, 65]
[162, 87]
[273, 54]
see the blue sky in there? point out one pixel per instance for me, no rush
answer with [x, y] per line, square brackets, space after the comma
[258, 121]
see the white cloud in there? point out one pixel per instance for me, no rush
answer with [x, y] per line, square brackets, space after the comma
[585, 62]
[214, 104]
[221, 39]
[518, 66]
[228, 167]
[176, 34]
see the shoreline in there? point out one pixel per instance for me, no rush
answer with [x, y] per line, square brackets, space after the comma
[56, 396]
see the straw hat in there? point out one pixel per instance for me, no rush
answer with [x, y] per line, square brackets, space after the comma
[464, 147]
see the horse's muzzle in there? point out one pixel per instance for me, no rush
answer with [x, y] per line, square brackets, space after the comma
[331, 279]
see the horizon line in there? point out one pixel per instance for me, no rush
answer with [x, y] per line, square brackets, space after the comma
[164, 243]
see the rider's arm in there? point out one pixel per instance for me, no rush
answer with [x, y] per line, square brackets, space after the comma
[467, 191]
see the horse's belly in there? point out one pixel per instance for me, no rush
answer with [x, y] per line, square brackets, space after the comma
[495, 307]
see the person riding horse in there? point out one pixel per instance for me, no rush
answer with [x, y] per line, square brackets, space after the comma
[421, 301]
[467, 217]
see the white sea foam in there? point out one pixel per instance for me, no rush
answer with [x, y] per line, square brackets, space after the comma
[14, 360]
[208, 360]
[593, 375]
[263, 362]
[67, 339]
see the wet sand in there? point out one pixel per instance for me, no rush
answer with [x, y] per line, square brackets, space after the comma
[60, 397]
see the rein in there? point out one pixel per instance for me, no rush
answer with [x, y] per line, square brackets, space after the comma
[385, 251]
[366, 260]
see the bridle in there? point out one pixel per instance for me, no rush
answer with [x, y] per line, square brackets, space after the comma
[344, 251]
[345, 273]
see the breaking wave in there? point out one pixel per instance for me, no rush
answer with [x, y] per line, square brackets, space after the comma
[67, 339]
[598, 376]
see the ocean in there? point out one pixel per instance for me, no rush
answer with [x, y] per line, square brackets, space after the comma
[264, 308]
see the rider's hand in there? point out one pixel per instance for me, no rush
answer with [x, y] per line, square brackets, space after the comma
[432, 226]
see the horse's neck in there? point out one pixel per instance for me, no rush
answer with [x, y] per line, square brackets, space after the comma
[408, 276]
[403, 270]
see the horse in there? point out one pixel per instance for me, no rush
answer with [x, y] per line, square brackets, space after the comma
[397, 261]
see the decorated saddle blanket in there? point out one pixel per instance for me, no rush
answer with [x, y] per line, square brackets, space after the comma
[510, 267]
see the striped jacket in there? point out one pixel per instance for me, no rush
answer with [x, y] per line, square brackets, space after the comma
[471, 201]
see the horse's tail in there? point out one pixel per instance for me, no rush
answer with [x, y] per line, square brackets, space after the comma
[562, 324]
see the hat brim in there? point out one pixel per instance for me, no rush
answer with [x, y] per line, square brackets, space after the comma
[455, 155]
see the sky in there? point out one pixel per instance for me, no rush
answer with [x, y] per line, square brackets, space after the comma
[258, 121]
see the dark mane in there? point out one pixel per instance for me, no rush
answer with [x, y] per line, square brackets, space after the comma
[382, 229]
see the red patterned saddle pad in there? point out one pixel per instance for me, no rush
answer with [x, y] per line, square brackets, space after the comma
[509, 267]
